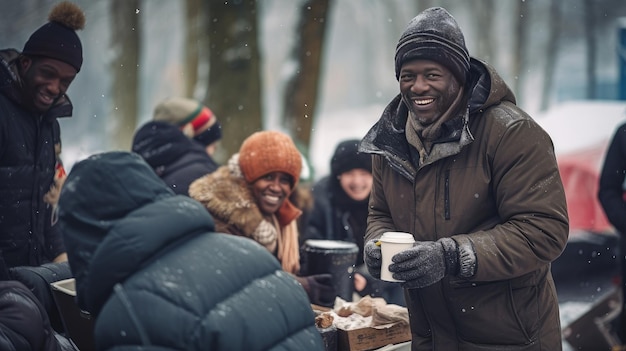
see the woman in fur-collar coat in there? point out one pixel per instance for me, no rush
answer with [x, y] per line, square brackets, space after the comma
[250, 197]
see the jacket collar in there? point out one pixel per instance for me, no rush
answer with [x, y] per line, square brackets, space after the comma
[387, 136]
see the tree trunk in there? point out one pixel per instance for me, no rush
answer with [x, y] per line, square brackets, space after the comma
[234, 88]
[193, 28]
[551, 53]
[484, 15]
[301, 91]
[590, 30]
[125, 67]
[520, 37]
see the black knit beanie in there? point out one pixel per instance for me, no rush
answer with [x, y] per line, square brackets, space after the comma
[211, 135]
[57, 39]
[347, 157]
[434, 35]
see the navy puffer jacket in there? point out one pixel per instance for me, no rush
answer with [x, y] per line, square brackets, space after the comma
[175, 158]
[24, 324]
[150, 268]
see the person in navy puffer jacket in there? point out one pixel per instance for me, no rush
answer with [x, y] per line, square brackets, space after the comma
[174, 157]
[154, 274]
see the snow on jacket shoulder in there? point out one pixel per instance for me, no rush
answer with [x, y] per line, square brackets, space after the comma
[150, 267]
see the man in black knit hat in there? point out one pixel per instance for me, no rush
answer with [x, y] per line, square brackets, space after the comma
[33, 84]
[474, 179]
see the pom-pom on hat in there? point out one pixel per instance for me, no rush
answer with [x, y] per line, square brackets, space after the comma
[434, 35]
[57, 39]
[269, 151]
[347, 157]
[191, 116]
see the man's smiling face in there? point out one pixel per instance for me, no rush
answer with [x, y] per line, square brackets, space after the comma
[44, 80]
[428, 89]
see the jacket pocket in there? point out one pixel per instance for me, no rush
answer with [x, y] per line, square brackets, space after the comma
[501, 313]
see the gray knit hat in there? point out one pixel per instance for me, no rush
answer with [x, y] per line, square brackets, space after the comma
[434, 35]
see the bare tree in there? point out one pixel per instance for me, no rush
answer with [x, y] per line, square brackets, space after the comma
[483, 13]
[125, 48]
[590, 30]
[193, 27]
[551, 53]
[301, 91]
[234, 88]
[520, 38]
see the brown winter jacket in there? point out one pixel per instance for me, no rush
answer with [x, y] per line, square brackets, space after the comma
[494, 187]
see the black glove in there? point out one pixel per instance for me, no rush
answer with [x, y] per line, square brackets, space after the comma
[319, 288]
[426, 263]
[373, 258]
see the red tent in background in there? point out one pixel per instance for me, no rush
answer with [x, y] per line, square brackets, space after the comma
[580, 172]
[581, 131]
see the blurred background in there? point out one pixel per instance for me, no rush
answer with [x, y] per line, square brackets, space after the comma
[294, 65]
[322, 71]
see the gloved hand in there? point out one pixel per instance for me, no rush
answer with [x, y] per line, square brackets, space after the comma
[426, 263]
[319, 288]
[373, 258]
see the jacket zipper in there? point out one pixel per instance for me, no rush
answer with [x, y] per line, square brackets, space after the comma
[446, 194]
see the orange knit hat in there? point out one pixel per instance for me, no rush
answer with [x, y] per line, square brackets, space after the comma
[269, 151]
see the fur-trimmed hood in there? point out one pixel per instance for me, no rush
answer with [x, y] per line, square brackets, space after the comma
[228, 197]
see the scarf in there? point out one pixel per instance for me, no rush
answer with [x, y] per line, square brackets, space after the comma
[422, 136]
[287, 251]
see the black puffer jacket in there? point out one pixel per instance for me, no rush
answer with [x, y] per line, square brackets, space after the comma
[175, 158]
[27, 160]
[24, 324]
[150, 268]
[611, 192]
[336, 216]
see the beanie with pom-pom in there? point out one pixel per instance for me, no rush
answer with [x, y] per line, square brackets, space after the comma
[57, 39]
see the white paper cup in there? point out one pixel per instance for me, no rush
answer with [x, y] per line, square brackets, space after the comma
[391, 244]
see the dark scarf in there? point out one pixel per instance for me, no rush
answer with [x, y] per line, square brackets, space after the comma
[422, 137]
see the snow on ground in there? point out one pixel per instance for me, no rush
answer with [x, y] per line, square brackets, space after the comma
[333, 128]
[578, 125]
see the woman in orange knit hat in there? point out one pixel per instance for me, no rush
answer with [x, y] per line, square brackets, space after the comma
[250, 197]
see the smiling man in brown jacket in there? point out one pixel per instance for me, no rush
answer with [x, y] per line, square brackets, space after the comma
[475, 180]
